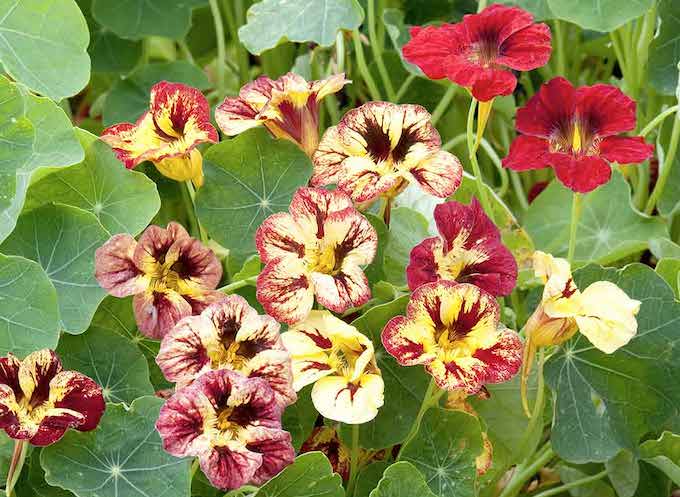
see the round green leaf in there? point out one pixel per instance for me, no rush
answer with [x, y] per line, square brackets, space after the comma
[311, 475]
[29, 315]
[609, 228]
[271, 22]
[43, 44]
[123, 200]
[599, 15]
[122, 457]
[246, 180]
[407, 229]
[32, 482]
[607, 402]
[63, 239]
[114, 362]
[664, 453]
[402, 479]
[444, 451]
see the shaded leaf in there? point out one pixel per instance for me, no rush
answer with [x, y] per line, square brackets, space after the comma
[664, 453]
[664, 51]
[669, 270]
[368, 478]
[299, 418]
[623, 471]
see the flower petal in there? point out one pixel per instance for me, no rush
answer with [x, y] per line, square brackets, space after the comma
[349, 288]
[157, 312]
[285, 290]
[497, 21]
[328, 159]
[274, 366]
[199, 268]
[154, 244]
[117, 137]
[625, 149]
[551, 108]
[36, 372]
[429, 47]
[183, 354]
[502, 360]
[491, 83]
[311, 206]
[276, 449]
[115, 269]
[279, 236]
[362, 179]
[352, 236]
[526, 49]
[409, 341]
[422, 267]
[231, 466]
[351, 403]
[606, 109]
[528, 152]
[439, 175]
[581, 174]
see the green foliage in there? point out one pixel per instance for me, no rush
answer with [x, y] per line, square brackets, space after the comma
[599, 15]
[664, 51]
[299, 419]
[664, 453]
[407, 228]
[310, 475]
[402, 479]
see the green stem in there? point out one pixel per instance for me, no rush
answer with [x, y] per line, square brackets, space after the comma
[454, 142]
[524, 472]
[377, 53]
[502, 172]
[221, 48]
[658, 120]
[559, 50]
[354, 461]
[573, 484]
[363, 68]
[519, 190]
[573, 228]
[404, 87]
[340, 51]
[472, 153]
[186, 52]
[618, 51]
[194, 468]
[16, 464]
[537, 412]
[443, 104]
[191, 211]
[235, 285]
[665, 167]
[481, 5]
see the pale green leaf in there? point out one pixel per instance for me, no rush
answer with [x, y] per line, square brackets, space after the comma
[623, 471]
[599, 15]
[664, 51]
[407, 229]
[311, 475]
[402, 479]
[669, 270]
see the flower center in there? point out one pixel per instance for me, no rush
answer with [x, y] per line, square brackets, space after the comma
[343, 359]
[232, 420]
[324, 259]
[574, 138]
[484, 52]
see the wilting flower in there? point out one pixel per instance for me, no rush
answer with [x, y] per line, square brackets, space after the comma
[603, 313]
[232, 424]
[170, 274]
[317, 248]
[228, 335]
[454, 330]
[167, 134]
[468, 250]
[288, 107]
[340, 361]
[574, 131]
[480, 52]
[325, 439]
[39, 401]
[378, 148]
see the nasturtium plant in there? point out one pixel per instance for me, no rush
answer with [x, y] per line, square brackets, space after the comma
[339, 248]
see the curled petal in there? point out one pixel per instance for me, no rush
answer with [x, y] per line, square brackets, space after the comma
[349, 288]
[626, 150]
[491, 83]
[234, 116]
[439, 175]
[581, 174]
[352, 403]
[187, 167]
[115, 269]
[422, 267]
[157, 312]
[276, 449]
[9, 372]
[117, 137]
[285, 290]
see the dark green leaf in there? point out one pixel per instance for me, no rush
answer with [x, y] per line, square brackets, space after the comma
[664, 453]
[623, 471]
[664, 51]
[402, 479]
[299, 418]
[407, 228]
[368, 478]
[311, 475]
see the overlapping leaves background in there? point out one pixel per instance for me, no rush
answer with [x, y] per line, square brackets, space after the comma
[73, 67]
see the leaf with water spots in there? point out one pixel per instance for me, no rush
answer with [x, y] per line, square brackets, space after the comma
[246, 180]
[122, 457]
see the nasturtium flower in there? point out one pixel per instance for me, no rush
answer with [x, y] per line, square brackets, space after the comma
[482, 50]
[378, 148]
[575, 131]
[228, 335]
[170, 274]
[39, 401]
[317, 248]
[340, 362]
[468, 250]
[288, 107]
[177, 121]
[454, 331]
[232, 424]
[325, 439]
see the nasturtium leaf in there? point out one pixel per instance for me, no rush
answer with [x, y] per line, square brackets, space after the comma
[444, 451]
[607, 402]
[271, 22]
[311, 475]
[32, 482]
[609, 228]
[43, 44]
[374, 271]
[111, 360]
[63, 239]
[669, 270]
[121, 457]
[129, 97]
[6, 449]
[662, 248]
[398, 32]
[597, 488]
[116, 315]
[368, 478]
[404, 386]
[123, 200]
[298, 419]
[669, 200]
[402, 479]
[539, 8]
[652, 481]
[29, 314]
[135, 19]
[664, 453]
[664, 51]
[201, 487]
[623, 471]
[247, 179]
[408, 227]
[599, 15]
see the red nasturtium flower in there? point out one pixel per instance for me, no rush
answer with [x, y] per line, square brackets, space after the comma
[480, 52]
[170, 274]
[325, 439]
[468, 250]
[574, 131]
[317, 248]
[167, 134]
[232, 424]
[228, 335]
[378, 148]
[288, 107]
[39, 401]
[454, 331]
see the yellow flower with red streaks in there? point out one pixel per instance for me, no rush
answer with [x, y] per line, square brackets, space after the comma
[228, 335]
[177, 121]
[340, 362]
[170, 274]
[454, 331]
[288, 107]
[315, 249]
[39, 401]
[378, 148]
[232, 424]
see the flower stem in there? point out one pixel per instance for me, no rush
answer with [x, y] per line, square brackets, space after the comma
[191, 212]
[431, 397]
[340, 51]
[575, 214]
[537, 412]
[404, 88]
[519, 190]
[665, 167]
[354, 461]
[235, 285]
[573, 484]
[15, 465]
[472, 153]
[377, 53]
[526, 470]
[658, 120]
[559, 52]
[443, 104]
[363, 68]
[221, 48]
